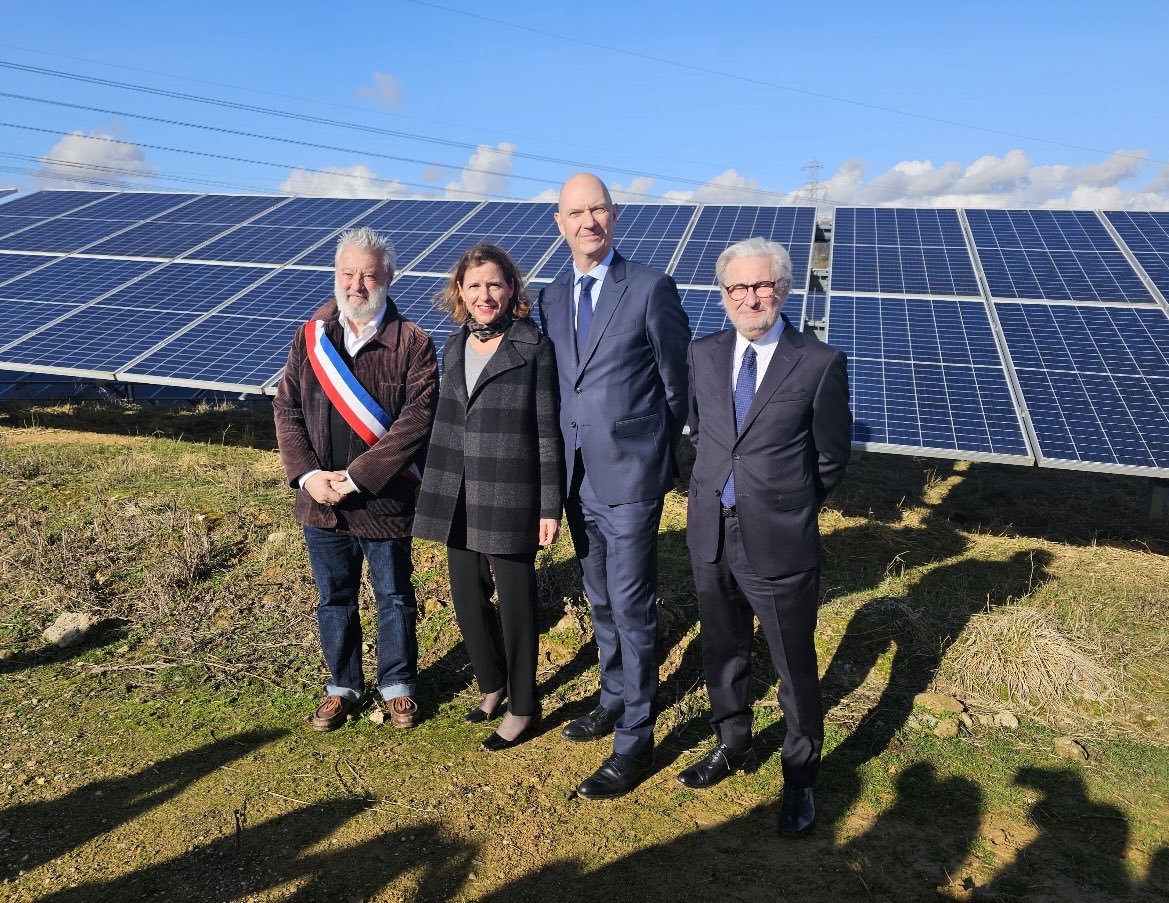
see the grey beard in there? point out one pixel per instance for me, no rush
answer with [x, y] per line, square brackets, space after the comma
[361, 312]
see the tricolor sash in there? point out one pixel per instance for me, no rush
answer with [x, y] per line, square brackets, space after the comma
[360, 410]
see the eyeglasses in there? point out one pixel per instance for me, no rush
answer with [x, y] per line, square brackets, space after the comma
[763, 290]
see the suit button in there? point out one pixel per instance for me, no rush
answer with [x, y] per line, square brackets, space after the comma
[573, 424]
[579, 390]
[735, 456]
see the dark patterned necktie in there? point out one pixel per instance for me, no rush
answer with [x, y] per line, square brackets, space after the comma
[584, 315]
[744, 395]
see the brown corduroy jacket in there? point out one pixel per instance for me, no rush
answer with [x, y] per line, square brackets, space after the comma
[398, 367]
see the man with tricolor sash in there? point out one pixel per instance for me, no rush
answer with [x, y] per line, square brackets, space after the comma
[353, 417]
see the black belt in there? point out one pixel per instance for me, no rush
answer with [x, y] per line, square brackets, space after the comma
[730, 512]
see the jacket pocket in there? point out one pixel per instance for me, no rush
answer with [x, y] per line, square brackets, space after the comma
[801, 498]
[638, 426]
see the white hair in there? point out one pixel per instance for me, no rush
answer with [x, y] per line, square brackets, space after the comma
[364, 238]
[781, 262]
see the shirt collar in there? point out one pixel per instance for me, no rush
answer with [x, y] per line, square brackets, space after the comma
[768, 338]
[598, 272]
[369, 329]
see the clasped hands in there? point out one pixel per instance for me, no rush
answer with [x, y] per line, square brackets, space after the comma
[328, 487]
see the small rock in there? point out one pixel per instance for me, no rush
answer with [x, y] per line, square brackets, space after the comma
[1067, 748]
[966, 720]
[278, 536]
[122, 650]
[938, 702]
[377, 716]
[946, 729]
[69, 629]
[1006, 719]
[568, 622]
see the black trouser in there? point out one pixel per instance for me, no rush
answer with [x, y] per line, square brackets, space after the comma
[730, 596]
[504, 657]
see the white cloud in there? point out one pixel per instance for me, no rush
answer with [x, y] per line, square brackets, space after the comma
[638, 191]
[385, 90]
[485, 173]
[729, 187]
[1160, 181]
[349, 182]
[80, 159]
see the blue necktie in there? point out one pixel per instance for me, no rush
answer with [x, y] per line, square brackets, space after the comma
[584, 315]
[744, 395]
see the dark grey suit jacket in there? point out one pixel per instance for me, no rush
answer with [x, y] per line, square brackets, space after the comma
[626, 400]
[792, 450]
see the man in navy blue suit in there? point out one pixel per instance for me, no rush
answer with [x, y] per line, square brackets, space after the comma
[621, 338]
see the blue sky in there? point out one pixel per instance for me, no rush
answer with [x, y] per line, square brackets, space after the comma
[995, 104]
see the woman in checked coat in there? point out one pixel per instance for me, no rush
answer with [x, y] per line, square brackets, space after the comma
[492, 486]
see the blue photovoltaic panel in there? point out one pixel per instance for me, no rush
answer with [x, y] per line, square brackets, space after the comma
[289, 295]
[1147, 236]
[1052, 255]
[647, 233]
[1095, 380]
[262, 244]
[50, 203]
[227, 210]
[816, 307]
[411, 226]
[10, 224]
[13, 265]
[133, 206]
[320, 213]
[194, 287]
[704, 309]
[526, 231]
[925, 373]
[415, 297]
[96, 339]
[901, 251]
[19, 318]
[63, 235]
[154, 239]
[222, 350]
[719, 226]
[74, 280]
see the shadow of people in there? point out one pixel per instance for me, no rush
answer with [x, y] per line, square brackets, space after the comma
[1080, 850]
[42, 831]
[108, 630]
[294, 853]
[919, 628]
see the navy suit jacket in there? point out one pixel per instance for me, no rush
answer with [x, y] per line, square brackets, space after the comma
[625, 401]
[792, 450]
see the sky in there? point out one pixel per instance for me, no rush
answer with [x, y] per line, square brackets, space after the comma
[1037, 104]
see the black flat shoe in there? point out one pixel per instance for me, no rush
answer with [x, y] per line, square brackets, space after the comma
[478, 716]
[616, 777]
[495, 743]
[797, 814]
[718, 763]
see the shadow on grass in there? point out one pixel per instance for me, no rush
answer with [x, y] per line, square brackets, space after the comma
[109, 630]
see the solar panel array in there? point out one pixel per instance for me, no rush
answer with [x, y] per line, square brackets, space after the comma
[1008, 335]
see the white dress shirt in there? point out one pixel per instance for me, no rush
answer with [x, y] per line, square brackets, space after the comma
[599, 272]
[764, 347]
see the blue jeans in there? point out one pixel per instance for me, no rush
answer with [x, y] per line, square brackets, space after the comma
[336, 562]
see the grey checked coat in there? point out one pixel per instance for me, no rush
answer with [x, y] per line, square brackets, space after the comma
[503, 440]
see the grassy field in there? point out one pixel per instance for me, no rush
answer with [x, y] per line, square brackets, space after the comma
[169, 756]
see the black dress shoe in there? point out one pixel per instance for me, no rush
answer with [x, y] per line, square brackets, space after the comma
[719, 762]
[616, 777]
[478, 716]
[797, 814]
[596, 724]
[495, 743]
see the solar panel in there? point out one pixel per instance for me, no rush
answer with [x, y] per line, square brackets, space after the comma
[261, 244]
[73, 280]
[227, 210]
[62, 235]
[194, 287]
[1054, 255]
[901, 251]
[133, 206]
[50, 203]
[926, 375]
[13, 265]
[322, 213]
[1147, 236]
[159, 240]
[1095, 380]
[526, 231]
[647, 233]
[289, 295]
[19, 318]
[10, 224]
[719, 226]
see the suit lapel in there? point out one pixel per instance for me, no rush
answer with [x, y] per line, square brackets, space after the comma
[611, 291]
[505, 358]
[560, 324]
[788, 351]
[723, 367]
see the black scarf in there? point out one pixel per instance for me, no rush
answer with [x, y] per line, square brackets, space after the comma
[485, 332]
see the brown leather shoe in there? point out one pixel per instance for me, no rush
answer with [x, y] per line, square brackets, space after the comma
[331, 713]
[403, 711]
